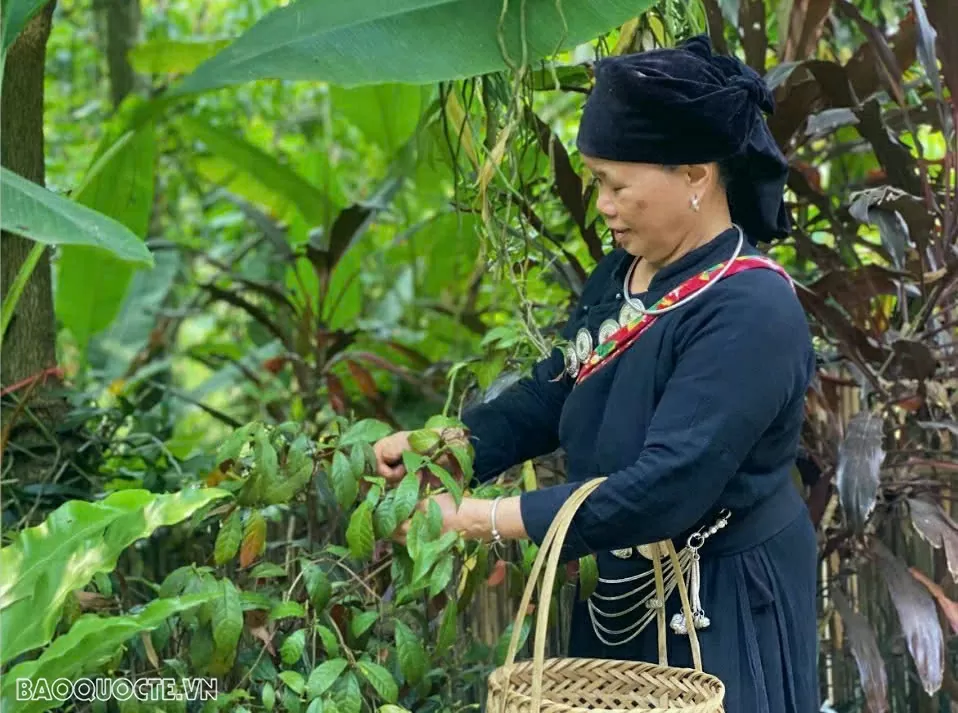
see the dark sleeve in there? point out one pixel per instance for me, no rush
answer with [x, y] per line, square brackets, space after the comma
[523, 421]
[742, 357]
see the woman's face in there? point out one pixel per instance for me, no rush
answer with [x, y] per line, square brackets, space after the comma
[646, 206]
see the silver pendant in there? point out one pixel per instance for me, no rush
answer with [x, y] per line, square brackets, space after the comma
[607, 329]
[650, 552]
[629, 314]
[583, 344]
[571, 360]
[623, 554]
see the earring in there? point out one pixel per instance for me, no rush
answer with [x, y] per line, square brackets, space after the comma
[695, 202]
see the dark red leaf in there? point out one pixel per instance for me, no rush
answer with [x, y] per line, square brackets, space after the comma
[855, 288]
[948, 606]
[751, 25]
[944, 18]
[861, 67]
[887, 62]
[918, 617]
[859, 461]
[893, 155]
[855, 343]
[926, 48]
[364, 380]
[864, 646]
[805, 22]
[937, 529]
[498, 575]
[912, 360]
[337, 394]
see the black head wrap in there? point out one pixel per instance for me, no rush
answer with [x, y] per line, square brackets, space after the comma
[687, 105]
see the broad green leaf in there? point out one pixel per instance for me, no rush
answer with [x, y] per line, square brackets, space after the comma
[502, 646]
[381, 680]
[407, 497]
[118, 185]
[450, 483]
[267, 570]
[393, 709]
[89, 644]
[45, 217]
[413, 461]
[412, 657]
[347, 694]
[423, 440]
[254, 539]
[408, 41]
[384, 518]
[173, 56]
[228, 538]
[357, 460]
[233, 446]
[287, 610]
[444, 268]
[255, 164]
[316, 706]
[367, 430]
[294, 645]
[359, 534]
[433, 519]
[345, 485]
[44, 564]
[448, 628]
[360, 623]
[441, 575]
[227, 626]
[294, 681]
[317, 586]
[324, 676]
[330, 642]
[387, 114]
[14, 17]
[269, 696]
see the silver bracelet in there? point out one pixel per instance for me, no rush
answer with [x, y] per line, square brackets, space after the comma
[496, 537]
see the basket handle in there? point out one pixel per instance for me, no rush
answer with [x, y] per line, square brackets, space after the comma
[551, 548]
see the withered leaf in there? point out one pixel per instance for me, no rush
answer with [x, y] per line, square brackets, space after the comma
[864, 646]
[918, 617]
[949, 607]
[859, 461]
[937, 529]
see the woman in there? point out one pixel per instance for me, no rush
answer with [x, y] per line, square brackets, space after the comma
[693, 412]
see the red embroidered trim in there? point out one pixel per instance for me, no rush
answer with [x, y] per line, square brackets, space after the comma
[625, 336]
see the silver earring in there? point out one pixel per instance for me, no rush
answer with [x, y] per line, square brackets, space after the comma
[695, 202]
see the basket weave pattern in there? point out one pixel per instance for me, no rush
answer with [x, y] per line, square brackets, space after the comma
[576, 685]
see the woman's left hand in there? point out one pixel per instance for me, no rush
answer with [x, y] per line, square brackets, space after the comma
[450, 516]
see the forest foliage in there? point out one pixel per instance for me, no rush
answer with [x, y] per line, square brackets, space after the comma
[279, 233]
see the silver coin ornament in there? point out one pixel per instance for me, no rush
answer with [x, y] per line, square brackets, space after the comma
[607, 329]
[583, 344]
[571, 360]
[629, 314]
[624, 553]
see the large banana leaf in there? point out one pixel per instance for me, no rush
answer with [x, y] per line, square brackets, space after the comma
[79, 539]
[119, 185]
[14, 17]
[41, 215]
[90, 643]
[408, 41]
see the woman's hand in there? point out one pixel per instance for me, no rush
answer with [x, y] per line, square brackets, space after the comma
[473, 518]
[389, 450]
[450, 516]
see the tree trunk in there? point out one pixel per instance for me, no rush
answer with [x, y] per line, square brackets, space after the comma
[122, 28]
[29, 345]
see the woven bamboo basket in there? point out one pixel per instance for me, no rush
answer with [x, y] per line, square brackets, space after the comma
[573, 685]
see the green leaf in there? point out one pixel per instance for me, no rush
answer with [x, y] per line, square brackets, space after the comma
[387, 114]
[292, 649]
[368, 430]
[267, 570]
[330, 642]
[228, 538]
[381, 680]
[45, 217]
[384, 518]
[324, 676]
[450, 483]
[441, 575]
[357, 460]
[502, 646]
[448, 628]
[412, 656]
[438, 420]
[227, 626]
[233, 446]
[407, 497]
[89, 644]
[15, 16]
[269, 696]
[588, 576]
[173, 56]
[118, 185]
[316, 706]
[287, 610]
[413, 461]
[360, 623]
[465, 461]
[423, 440]
[347, 694]
[344, 482]
[409, 41]
[317, 586]
[294, 681]
[359, 534]
[258, 166]
[433, 520]
[44, 564]
[393, 709]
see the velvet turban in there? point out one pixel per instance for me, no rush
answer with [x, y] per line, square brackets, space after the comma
[684, 106]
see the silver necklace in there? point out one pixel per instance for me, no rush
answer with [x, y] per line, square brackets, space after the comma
[641, 308]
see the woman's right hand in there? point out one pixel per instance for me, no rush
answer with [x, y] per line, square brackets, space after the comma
[389, 452]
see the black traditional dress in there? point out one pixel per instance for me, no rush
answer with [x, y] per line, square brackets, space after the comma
[702, 413]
